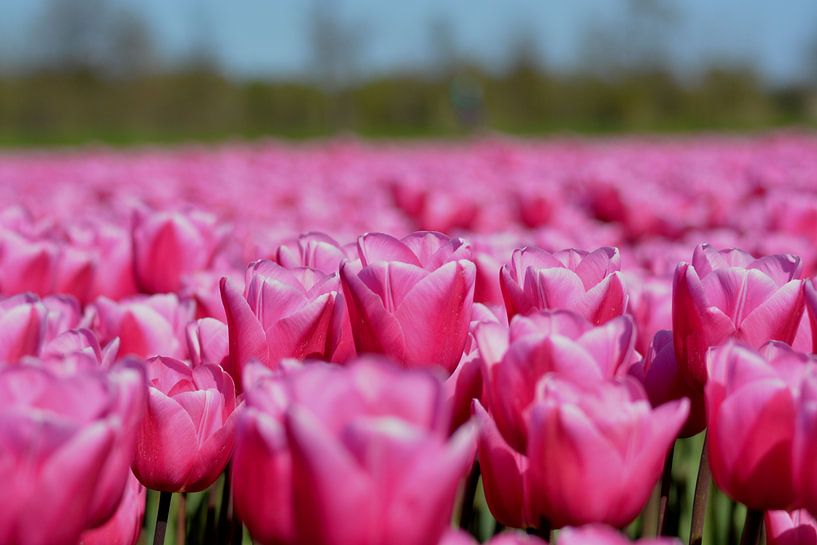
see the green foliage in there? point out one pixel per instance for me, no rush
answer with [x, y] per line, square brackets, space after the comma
[80, 106]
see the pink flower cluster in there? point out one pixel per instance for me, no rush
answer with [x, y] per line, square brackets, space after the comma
[558, 312]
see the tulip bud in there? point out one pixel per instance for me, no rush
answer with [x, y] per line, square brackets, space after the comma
[410, 299]
[729, 294]
[186, 437]
[588, 283]
[751, 400]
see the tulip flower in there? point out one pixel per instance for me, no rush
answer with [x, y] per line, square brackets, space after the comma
[186, 437]
[661, 377]
[313, 251]
[602, 535]
[305, 472]
[805, 445]
[207, 341]
[410, 299]
[28, 265]
[790, 528]
[461, 538]
[22, 326]
[588, 283]
[63, 314]
[552, 342]
[108, 259]
[751, 400]
[126, 524]
[582, 460]
[650, 307]
[811, 308]
[65, 451]
[729, 294]
[505, 477]
[169, 245]
[204, 287]
[145, 326]
[284, 314]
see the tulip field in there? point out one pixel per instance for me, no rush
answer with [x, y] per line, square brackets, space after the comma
[514, 342]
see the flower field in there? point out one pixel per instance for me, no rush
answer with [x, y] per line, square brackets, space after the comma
[578, 342]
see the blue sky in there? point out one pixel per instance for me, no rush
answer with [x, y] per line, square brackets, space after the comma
[271, 37]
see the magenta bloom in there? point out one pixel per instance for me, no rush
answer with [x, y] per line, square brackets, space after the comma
[410, 299]
[146, 326]
[28, 265]
[581, 439]
[588, 283]
[453, 537]
[284, 313]
[551, 342]
[729, 294]
[126, 524]
[207, 341]
[790, 528]
[186, 437]
[65, 449]
[313, 251]
[751, 400]
[306, 472]
[603, 535]
[22, 327]
[805, 444]
[506, 478]
[663, 380]
[169, 245]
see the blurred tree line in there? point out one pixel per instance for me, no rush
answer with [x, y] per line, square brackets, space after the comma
[97, 76]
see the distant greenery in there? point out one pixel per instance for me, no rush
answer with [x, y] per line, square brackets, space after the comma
[68, 108]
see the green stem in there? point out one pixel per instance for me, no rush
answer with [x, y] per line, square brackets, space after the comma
[224, 525]
[752, 527]
[702, 485]
[181, 519]
[467, 508]
[666, 488]
[161, 518]
[542, 531]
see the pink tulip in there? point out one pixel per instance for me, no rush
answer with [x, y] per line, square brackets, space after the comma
[410, 299]
[588, 283]
[207, 341]
[28, 265]
[790, 528]
[313, 251]
[63, 314]
[204, 287]
[661, 377]
[751, 402]
[110, 256]
[650, 307]
[811, 308]
[169, 245]
[603, 535]
[145, 326]
[23, 323]
[729, 294]
[65, 452]
[284, 314]
[305, 472]
[125, 526]
[805, 445]
[461, 538]
[186, 437]
[581, 454]
[506, 481]
[552, 342]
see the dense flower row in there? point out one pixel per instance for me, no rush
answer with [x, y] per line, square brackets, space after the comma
[348, 383]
